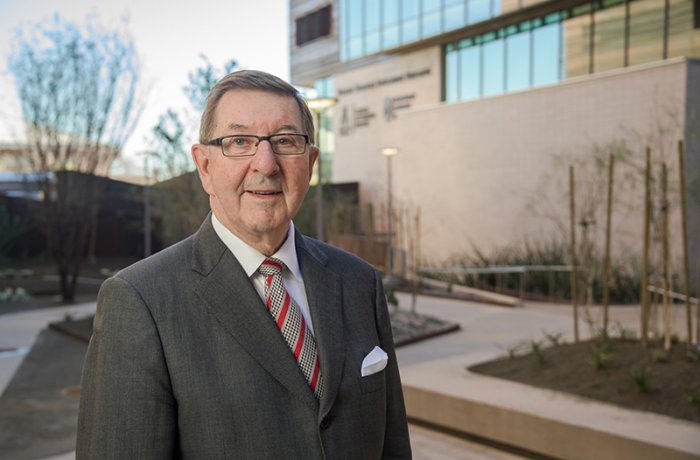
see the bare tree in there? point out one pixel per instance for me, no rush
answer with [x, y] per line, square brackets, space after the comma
[180, 202]
[77, 87]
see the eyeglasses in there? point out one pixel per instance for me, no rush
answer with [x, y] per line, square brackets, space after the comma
[245, 145]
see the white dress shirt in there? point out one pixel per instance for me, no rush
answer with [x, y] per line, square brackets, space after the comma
[250, 259]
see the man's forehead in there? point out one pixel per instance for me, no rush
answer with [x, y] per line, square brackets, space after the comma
[241, 108]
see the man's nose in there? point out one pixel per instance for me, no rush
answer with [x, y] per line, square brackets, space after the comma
[265, 160]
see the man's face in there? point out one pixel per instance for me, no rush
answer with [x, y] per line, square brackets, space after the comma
[255, 197]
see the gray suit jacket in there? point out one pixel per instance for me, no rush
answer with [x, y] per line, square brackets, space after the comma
[186, 362]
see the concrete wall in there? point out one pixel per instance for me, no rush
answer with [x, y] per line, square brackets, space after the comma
[315, 59]
[494, 171]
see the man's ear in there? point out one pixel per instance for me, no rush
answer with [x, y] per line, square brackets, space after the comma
[313, 156]
[201, 160]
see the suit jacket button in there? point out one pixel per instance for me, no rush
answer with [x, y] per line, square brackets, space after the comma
[325, 423]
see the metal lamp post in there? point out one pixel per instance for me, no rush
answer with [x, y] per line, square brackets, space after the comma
[389, 152]
[318, 106]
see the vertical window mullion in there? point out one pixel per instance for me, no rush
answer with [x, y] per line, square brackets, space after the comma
[591, 38]
[459, 74]
[505, 63]
[666, 28]
[627, 34]
[481, 70]
[364, 30]
[560, 52]
[531, 64]
[381, 25]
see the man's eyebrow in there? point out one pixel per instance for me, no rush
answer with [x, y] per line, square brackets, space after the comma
[282, 128]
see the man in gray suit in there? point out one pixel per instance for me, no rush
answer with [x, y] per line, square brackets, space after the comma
[201, 352]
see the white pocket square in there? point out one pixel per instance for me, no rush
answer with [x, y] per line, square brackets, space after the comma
[374, 362]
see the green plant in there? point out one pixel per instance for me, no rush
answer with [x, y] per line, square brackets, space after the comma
[624, 333]
[693, 396]
[554, 339]
[512, 350]
[538, 351]
[641, 378]
[659, 356]
[600, 356]
[693, 353]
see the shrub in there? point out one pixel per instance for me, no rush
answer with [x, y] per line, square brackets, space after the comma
[641, 378]
[600, 356]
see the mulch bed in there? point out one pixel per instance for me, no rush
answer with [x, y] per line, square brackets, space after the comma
[628, 375]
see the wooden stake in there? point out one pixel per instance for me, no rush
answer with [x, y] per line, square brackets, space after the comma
[606, 267]
[645, 253]
[686, 263]
[574, 273]
[666, 257]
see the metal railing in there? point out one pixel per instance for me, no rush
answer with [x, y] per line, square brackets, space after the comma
[498, 270]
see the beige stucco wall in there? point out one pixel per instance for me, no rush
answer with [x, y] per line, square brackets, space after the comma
[484, 173]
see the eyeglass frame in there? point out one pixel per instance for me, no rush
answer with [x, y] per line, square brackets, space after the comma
[219, 141]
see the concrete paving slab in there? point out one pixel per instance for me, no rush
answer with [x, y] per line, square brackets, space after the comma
[39, 408]
[440, 390]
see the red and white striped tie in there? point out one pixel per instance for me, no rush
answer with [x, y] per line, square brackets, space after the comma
[291, 323]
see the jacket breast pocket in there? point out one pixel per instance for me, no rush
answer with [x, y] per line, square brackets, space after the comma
[372, 383]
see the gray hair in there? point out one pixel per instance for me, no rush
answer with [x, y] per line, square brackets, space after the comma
[252, 80]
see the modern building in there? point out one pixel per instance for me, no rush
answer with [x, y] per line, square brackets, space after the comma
[489, 102]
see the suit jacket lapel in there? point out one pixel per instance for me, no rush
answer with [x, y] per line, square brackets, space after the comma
[232, 299]
[323, 291]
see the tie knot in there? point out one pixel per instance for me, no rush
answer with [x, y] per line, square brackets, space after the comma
[271, 266]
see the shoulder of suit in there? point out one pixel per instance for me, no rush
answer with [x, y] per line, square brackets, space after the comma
[171, 259]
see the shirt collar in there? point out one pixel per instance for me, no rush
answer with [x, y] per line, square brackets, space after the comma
[250, 258]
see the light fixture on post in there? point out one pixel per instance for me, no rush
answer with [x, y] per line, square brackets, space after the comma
[389, 152]
[318, 106]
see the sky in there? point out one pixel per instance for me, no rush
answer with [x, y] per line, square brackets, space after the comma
[169, 37]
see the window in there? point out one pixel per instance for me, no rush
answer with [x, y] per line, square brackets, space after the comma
[518, 61]
[390, 20]
[314, 25]
[373, 14]
[479, 10]
[546, 50]
[356, 29]
[493, 71]
[409, 21]
[470, 73]
[454, 14]
[432, 21]
[452, 76]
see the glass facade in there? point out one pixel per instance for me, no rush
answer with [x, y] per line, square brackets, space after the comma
[369, 26]
[513, 58]
[594, 37]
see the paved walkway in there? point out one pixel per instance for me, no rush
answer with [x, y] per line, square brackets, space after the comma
[485, 333]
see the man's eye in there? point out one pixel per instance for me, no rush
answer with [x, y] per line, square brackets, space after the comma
[239, 141]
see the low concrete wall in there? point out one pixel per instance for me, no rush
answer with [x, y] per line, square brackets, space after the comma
[532, 432]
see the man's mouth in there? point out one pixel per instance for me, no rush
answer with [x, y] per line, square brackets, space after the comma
[263, 193]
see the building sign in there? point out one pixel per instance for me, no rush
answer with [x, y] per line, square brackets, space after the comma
[383, 81]
[353, 117]
[392, 104]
